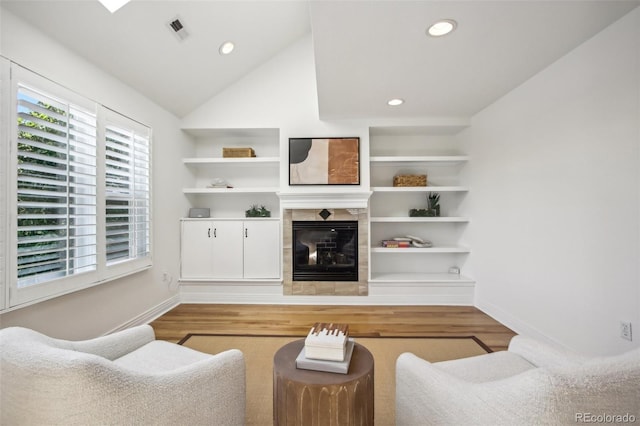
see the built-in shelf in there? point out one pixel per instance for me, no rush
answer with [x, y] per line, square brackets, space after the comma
[410, 250]
[253, 180]
[393, 159]
[408, 219]
[419, 277]
[420, 189]
[247, 190]
[235, 160]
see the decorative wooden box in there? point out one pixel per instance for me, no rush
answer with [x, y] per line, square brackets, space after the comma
[410, 180]
[237, 152]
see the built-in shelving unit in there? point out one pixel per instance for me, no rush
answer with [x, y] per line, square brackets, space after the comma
[419, 150]
[251, 180]
[251, 246]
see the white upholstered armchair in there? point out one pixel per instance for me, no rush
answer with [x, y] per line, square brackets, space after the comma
[123, 378]
[530, 384]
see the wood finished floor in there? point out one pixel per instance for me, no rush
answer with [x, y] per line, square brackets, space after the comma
[296, 320]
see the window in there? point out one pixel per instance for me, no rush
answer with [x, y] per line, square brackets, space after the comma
[80, 188]
[128, 208]
[56, 188]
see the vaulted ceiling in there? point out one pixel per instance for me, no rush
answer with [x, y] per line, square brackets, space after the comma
[366, 52]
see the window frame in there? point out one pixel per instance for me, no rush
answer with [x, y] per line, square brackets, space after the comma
[5, 90]
[20, 297]
[121, 267]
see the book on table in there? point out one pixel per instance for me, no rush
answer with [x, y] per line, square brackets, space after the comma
[327, 341]
[341, 367]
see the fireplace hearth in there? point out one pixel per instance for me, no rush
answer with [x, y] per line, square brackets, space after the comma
[325, 251]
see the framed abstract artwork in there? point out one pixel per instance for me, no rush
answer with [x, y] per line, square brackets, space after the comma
[324, 161]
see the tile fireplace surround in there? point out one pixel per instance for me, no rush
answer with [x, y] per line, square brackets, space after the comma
[335, 288]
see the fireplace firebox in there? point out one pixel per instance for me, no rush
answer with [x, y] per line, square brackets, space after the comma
[325, 251]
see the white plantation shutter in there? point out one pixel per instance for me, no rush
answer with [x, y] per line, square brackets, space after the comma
[56, 188]
[76, 198]
[127, 192]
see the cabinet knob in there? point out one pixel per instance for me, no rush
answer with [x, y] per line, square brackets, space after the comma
[245, 233]
[209, 233]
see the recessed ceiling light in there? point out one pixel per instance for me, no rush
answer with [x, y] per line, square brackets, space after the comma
[226, 48]
[395, 102]
[113, 5]
[442, 27]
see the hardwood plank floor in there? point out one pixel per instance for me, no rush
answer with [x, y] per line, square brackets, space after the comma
[296, 320]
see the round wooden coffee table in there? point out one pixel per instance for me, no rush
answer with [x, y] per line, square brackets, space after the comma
[310, 398]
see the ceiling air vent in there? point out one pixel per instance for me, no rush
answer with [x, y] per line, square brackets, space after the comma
[177, 27]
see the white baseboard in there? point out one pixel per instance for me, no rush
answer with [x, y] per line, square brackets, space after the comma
[151, 314]
[516, 324]
[380, 294]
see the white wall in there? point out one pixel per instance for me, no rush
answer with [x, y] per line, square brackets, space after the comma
[111, 305]
[555, 197]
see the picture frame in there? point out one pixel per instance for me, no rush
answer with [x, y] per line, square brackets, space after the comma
[324, 161]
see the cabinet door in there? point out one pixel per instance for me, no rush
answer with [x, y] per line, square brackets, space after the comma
[196, 249]
[227, 249]
[261, 249]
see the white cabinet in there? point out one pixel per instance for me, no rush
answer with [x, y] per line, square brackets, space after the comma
[227, 258]
[196, 249]
[261, 249]
[218, 249]
[436, 154]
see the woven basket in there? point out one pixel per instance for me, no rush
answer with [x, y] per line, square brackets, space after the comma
[237, 152]
[410, 180]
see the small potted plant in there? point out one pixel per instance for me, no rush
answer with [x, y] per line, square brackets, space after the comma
[433, 207]
[433, 204]
[255, 211]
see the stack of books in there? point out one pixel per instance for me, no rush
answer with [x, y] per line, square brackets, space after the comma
[326, 348]
[396, 244]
